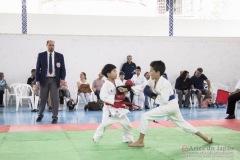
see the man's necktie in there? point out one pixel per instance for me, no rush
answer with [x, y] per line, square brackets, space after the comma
[50, 63]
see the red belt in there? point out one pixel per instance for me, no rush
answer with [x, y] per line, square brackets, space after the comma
[120, 104]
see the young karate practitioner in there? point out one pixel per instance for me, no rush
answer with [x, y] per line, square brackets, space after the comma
[121, 81]
[113, 110]
[138, 79]
[161, 90]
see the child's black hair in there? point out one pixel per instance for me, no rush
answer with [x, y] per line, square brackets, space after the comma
[138, 67]
[158, 66]
[108, 69]
[121, 73]
[200, 70]
[145, 74]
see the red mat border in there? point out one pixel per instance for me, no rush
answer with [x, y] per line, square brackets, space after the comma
[230, 124]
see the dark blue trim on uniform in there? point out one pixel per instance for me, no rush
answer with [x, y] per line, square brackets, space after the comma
[171, 97]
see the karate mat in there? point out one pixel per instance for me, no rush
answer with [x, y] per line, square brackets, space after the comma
[161, 143]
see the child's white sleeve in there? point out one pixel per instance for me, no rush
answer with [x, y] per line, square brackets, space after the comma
[133, 79]
[105, 94]
[140, 88]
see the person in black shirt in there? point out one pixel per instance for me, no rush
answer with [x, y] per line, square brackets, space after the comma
[183, 86]
[232, 100]
[32, 78]
[198, 85]
[129, 69]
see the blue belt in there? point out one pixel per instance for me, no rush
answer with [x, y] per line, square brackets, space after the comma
[171, 97]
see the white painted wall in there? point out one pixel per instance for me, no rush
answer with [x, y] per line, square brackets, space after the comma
[118, 26]
[219, 57]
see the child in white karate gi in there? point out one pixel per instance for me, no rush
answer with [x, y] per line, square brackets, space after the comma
[138, 79]
[161, 90]
[121, 81]
[112, 113]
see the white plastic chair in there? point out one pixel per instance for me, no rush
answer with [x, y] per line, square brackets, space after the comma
[78, 97]
[195, 97]
[10, 95]
[205, 85]
[92, 97]
[24, 91]
[36, 99]
[236, 108]
[5, 97]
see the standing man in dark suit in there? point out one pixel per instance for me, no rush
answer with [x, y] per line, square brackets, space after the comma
[50, 72]
[129, 69]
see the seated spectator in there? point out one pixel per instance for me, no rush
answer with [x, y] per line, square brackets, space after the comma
[63, 92]
[3, 86]
[183, 86]
[121, 82]
[198, 84]
[138, 79]
[232, 99]
[84, 89]
[36, 91]
[147, 99]
[32, 78]
[97, 85]
[147, 75]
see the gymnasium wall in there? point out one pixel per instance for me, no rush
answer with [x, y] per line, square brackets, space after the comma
[219, 57]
